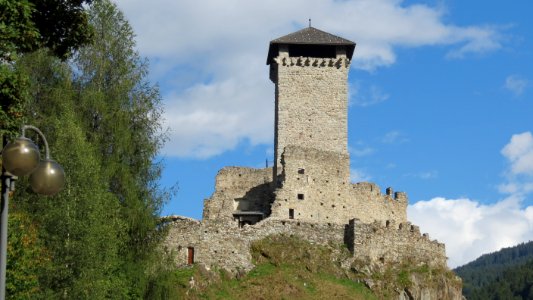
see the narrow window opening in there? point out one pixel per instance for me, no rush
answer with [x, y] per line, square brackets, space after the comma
[190, 255]
[291, 213]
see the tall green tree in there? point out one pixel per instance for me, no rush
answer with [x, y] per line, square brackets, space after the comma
[81, 227]
[102, 118]
[122, 115]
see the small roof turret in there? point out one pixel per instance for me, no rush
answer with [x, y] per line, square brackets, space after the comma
[309, 36]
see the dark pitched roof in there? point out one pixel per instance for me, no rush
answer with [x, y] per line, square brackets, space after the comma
[310, 36]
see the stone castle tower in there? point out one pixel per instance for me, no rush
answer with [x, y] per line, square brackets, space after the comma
[308, 190]
[310, 71]
[310, 179]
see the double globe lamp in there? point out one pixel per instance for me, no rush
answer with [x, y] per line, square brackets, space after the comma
[20, 158]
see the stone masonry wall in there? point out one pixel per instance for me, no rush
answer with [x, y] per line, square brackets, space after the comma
[220, 244]
[391, 243]
[371, 205]
[311, 103]
[316, 187]
[239, 188]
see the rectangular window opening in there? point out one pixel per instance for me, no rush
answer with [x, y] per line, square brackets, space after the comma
[300, 196]
[301, 171]
[291, 213]
[190, 255]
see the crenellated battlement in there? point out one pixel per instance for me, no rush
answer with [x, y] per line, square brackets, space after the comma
[301, 61]
[392, 243]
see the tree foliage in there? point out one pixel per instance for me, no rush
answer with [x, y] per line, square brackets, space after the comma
[505, 274]
[514, 283]
[28, 258]
[25, 26]
[102, 119]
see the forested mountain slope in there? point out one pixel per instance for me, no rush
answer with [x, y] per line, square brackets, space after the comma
[505, 274]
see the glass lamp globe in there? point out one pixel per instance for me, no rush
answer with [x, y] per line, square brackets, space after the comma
[48, 178]
[20, 157]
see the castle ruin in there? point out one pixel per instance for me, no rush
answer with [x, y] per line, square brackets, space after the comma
[308, 191]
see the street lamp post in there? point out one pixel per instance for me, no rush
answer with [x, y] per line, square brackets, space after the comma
[19, 158]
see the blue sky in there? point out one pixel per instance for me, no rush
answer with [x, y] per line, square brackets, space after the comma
[441, 102]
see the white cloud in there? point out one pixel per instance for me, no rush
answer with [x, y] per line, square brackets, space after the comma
[423, 175]
[394, 137]
[480, 40]
[519, 152]
[210, 57]
[357, 175]
[204, 122]
[469, 228]
[359, 152]
[516, 84]
[364, 97]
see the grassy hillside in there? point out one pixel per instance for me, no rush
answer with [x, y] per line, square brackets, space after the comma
[286, 268]
[507, 273]
[290, 268]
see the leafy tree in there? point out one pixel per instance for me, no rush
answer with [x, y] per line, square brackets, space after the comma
[505, 274]
[121, 112]
[25, 26]
[13, 96]
[28, 258]
[80, 226]
[102, 118]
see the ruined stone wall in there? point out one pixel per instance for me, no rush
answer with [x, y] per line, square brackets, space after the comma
[311, 103]
[239, 188]
[370, 204]
[316, 187]
[220, 244]
[391, 243]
